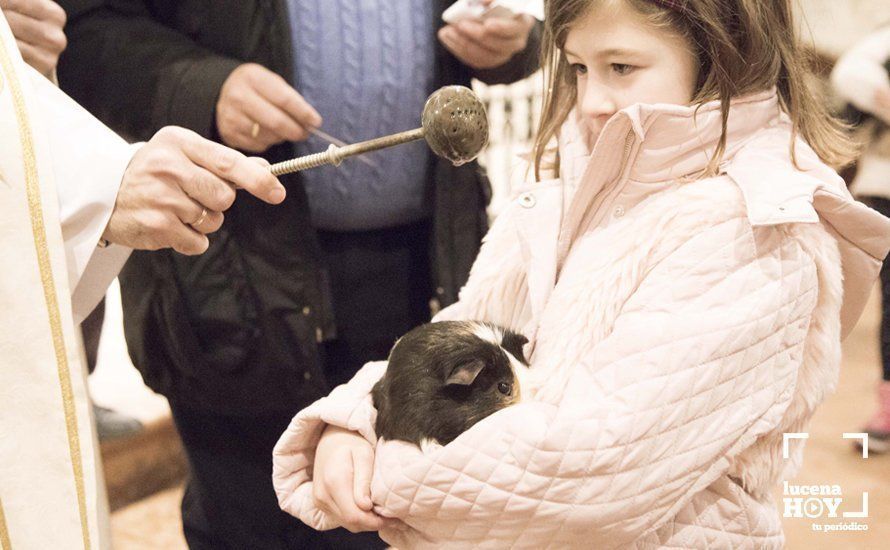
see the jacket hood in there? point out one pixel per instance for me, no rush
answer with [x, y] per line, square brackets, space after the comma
[676, 142]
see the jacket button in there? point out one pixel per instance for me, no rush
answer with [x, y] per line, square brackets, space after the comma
[307, 376]
[527, 200]
[619, 211]
[307, 310]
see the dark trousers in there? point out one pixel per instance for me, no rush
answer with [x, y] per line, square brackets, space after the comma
[882, 205]
[381, 289]
[229, 502]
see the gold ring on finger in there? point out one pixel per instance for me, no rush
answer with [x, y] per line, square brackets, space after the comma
[255, 130]
[200, 219]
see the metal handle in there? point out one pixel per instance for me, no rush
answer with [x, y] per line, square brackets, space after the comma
[334, 155]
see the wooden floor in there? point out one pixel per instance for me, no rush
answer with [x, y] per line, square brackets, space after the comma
[153, 523]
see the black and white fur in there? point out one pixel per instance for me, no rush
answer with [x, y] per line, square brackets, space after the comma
[444, 377]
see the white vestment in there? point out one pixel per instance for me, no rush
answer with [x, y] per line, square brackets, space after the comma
[60, 170]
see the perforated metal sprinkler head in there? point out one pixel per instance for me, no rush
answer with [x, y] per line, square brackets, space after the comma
[454, 124]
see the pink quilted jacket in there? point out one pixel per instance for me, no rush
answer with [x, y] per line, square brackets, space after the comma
[677, 328]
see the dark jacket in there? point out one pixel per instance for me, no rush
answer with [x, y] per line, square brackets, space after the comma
[234, 331]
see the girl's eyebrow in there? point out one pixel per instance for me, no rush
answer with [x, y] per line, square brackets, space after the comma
[618, 52]
[569, 52]
[611, 52]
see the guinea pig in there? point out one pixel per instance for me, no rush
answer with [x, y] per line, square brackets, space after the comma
[444, 377]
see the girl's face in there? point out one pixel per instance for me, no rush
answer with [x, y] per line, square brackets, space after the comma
[619, 59]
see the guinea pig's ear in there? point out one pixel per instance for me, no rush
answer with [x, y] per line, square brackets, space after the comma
[466, 373]
[515, 340]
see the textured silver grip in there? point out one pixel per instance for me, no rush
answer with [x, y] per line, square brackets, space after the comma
[310, 161]
[335, 155]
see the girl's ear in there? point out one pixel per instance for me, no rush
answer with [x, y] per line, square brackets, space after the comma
[465, 374]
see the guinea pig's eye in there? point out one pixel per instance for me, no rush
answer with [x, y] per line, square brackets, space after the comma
[505, 388]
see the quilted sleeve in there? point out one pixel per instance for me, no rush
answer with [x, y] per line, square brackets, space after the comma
[700, 362]
[349, 406]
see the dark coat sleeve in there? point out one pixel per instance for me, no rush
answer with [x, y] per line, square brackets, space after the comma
[137, 74]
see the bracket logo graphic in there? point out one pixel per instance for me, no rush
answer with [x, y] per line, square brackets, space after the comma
[822, 501]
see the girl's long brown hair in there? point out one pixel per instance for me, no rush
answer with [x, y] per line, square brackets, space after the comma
[743, 46]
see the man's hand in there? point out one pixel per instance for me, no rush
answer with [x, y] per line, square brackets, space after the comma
[176, 187]
[487, 43]
[37, 26]
[257, 109]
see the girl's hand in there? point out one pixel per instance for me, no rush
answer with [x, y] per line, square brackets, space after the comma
[341, 485]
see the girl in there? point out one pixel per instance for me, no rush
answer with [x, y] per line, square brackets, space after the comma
[678, 271]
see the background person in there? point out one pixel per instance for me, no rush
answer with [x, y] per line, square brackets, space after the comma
[38, 28]
[862, 77]
[67, 184]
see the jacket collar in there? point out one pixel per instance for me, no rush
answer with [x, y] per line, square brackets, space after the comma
[674, 141]
[651, 145]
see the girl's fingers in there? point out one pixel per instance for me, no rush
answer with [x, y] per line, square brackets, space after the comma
[342, 496]
[363, 465]
[323, 500]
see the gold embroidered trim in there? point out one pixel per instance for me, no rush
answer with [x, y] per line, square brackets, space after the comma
[4, 532]
[35, 209]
